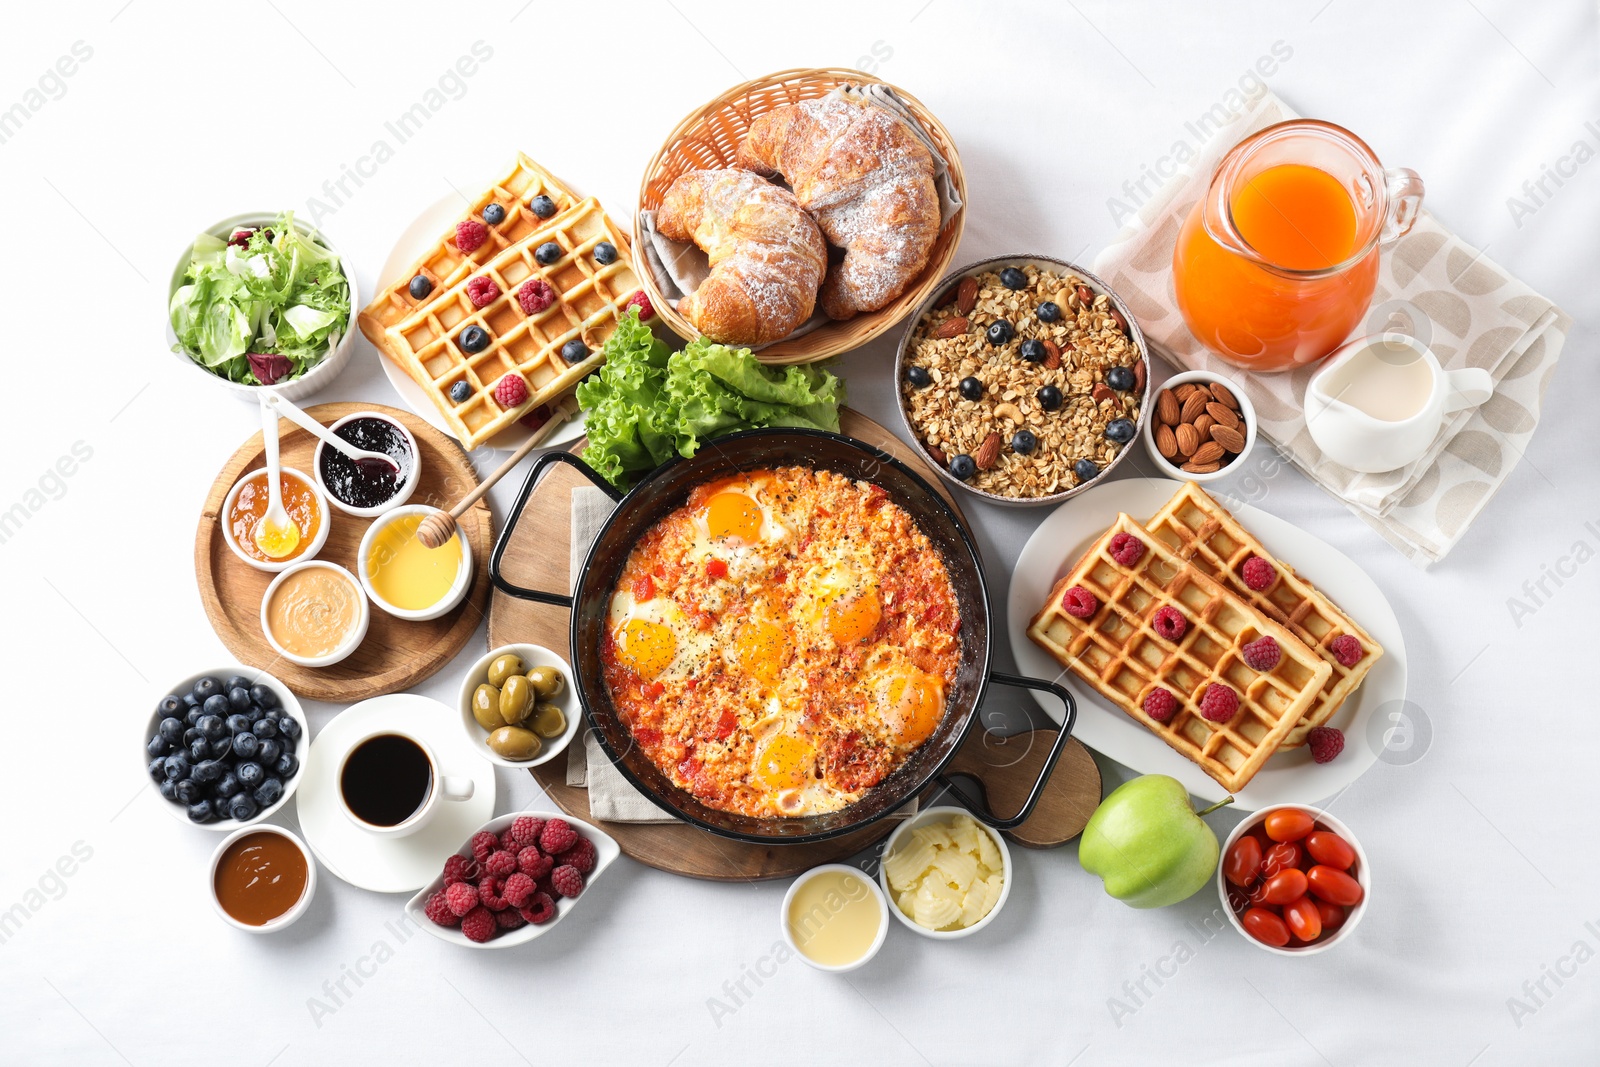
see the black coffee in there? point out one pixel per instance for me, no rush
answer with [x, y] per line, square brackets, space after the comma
[386, 779]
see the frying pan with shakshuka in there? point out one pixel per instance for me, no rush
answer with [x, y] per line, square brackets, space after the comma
[666, 489]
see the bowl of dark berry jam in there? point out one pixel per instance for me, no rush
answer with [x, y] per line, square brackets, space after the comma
[369, 489]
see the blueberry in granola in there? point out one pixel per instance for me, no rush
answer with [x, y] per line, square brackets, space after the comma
[1120, 430]
[1049, 311]
[1034, 351]
[1012, 278]
[999, 332]
[919, 377]
[1023, 442]
[1049, 397]
[971, 389]
[1085, 469]
[1120, 378]
[963, 467]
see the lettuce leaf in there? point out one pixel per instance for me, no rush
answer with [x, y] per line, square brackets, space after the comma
[283, 294]
[647, 404]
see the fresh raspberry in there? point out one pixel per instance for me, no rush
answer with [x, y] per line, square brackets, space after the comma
[525, 830]
[1346, 648]
[519, 887]
[501, 863]
[1169, 623]
[536, 418]
[438, 909]
[482, 291]
[510, 391]
[1079, 602]
[1257, 573]
[509, 919]
[508, 843]
[1262, 654]
[582, 855]
[462, 897]
[1219, 702]
[491, 892]
[1159, 704]
[535, 295]
[540, 909]
[1126, 549]
[567, 879]
[483, 843]
[557, 836]
[1325, 743]
[642, 302]
[533, 863]
[470, 233]
[479, 925]
[460, 869]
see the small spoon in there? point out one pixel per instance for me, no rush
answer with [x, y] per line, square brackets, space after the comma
[440, 526]
[276, 534]
[371, 463]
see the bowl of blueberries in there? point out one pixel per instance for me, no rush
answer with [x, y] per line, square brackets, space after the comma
[224, 747]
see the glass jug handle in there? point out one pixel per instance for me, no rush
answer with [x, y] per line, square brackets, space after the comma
[1405, 190]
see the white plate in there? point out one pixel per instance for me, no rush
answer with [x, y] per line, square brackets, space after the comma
[380, 863]
[418, 237]
[1290, 777]
[606, 849]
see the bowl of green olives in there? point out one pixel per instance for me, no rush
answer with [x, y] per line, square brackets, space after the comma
[518, 705]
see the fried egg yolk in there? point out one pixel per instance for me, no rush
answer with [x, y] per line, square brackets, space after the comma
[913, 705]
[733, 516]
[760, 649]
[852, 618]
[784, 763]
[646, 648]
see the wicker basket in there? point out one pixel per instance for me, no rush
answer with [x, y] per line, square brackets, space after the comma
[708, 138]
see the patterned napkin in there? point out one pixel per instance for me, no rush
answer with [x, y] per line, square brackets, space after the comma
[1464, 306]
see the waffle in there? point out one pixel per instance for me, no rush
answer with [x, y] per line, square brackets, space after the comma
[1202, 531]
[590, 300]
[1117, 651]
[444, 265]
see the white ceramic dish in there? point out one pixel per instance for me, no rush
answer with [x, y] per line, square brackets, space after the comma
[1288, 778]
[1362, 875]
[287, 918]
[606, 850]
[458, 590]
[996, 263]
[385, 864]
[566, 700]
[405, 490]
[417, 239]
[284, 564]
[1247, 412]
[877, 895]
[931, 815]
[352, 641]
[312, 380]
[289, 703]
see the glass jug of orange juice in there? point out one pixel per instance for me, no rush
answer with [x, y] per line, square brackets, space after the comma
[1276, 264]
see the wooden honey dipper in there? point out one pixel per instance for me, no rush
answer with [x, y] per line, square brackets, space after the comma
[440, 526]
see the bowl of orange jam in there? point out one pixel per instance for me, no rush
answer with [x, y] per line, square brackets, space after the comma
[246, 504]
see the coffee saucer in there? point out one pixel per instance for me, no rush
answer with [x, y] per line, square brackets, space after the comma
[391, 864]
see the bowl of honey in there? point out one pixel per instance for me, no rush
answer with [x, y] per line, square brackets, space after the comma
[246, 504]
[262, 878]
[405, 577]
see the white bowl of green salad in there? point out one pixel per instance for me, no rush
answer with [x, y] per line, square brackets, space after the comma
[263, 300]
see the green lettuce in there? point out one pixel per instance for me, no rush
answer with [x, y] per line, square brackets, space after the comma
[648, 404]
[284, 294]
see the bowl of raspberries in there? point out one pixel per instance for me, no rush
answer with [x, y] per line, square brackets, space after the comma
[513, 880]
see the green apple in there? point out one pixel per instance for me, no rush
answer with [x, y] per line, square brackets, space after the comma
[1148, 844]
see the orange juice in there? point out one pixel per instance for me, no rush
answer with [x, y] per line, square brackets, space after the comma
[1296, 217]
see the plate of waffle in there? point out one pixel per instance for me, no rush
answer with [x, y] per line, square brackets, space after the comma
[529, 290]
[1212, 642]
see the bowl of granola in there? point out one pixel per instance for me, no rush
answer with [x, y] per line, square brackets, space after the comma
[1023, 379]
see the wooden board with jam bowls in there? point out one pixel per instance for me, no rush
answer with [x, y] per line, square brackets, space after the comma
[537, 556]
[396, 654]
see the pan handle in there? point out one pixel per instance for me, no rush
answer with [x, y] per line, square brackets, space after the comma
[548, 459]
[980, 807]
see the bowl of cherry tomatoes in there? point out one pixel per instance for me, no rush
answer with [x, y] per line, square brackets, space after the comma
[1294, 880]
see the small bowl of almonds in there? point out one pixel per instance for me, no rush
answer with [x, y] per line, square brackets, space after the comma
[1023, 379]
[1200, 424]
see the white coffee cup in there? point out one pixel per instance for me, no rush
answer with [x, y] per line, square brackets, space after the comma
[438, 787]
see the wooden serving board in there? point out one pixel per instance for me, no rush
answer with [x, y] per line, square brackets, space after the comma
[537, 558]
[396, 654]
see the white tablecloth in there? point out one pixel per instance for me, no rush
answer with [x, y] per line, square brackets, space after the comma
[137, 123]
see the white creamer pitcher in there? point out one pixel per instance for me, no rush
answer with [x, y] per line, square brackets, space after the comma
[1377, 403]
